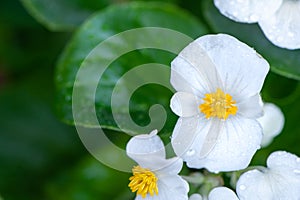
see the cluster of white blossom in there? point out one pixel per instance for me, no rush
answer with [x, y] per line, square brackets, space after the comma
[222, 123]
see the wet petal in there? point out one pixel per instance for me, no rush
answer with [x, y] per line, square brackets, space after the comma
[145, 145]
[253, 185]
[241, 69]
[188, 138]
[174, 187]
[193, 71]
[238, 140]
[283, 27]
[248, 11]
[272, 123]
[280, 181]
[287, 162]
[185, 104]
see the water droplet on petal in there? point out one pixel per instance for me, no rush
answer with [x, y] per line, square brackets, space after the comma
[242, 187]
[190, 152]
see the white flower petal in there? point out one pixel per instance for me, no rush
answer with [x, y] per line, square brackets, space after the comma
[172, 166]
[185, 104]
[281, 160]
[145, 145]
[253, 185]
[193, 71]
[240, 68]
[272, 122]
[280, 181]
[247, 11]
[238, 140]
[173, 187]
[283, 27]
[195, 197]
[222, 193]
[188, 138]
[251, 107]
[169, 188]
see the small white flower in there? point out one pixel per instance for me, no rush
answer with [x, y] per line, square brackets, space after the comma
[155, 177]
[272, 123]
[279, 19]
[281, 180]
[218, 80]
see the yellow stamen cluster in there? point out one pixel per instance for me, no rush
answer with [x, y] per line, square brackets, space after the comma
[219, 105]
[143, 182]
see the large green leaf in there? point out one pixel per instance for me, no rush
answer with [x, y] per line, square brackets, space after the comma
[108, 23]
[282, 61]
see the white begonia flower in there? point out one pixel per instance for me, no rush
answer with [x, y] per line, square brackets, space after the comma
[272, 123]
[279, 19]
[155, 177]
[281, 180]
[218, 80]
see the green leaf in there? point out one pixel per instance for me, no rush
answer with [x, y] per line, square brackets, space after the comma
[100, 27]
[282, 61]
[90, 180]
[61, 15]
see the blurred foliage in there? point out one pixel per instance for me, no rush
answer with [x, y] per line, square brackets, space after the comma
[42, 158]
[90, 180]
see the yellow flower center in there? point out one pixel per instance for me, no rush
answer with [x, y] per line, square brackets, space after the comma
[143, 182]
[219, 105]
